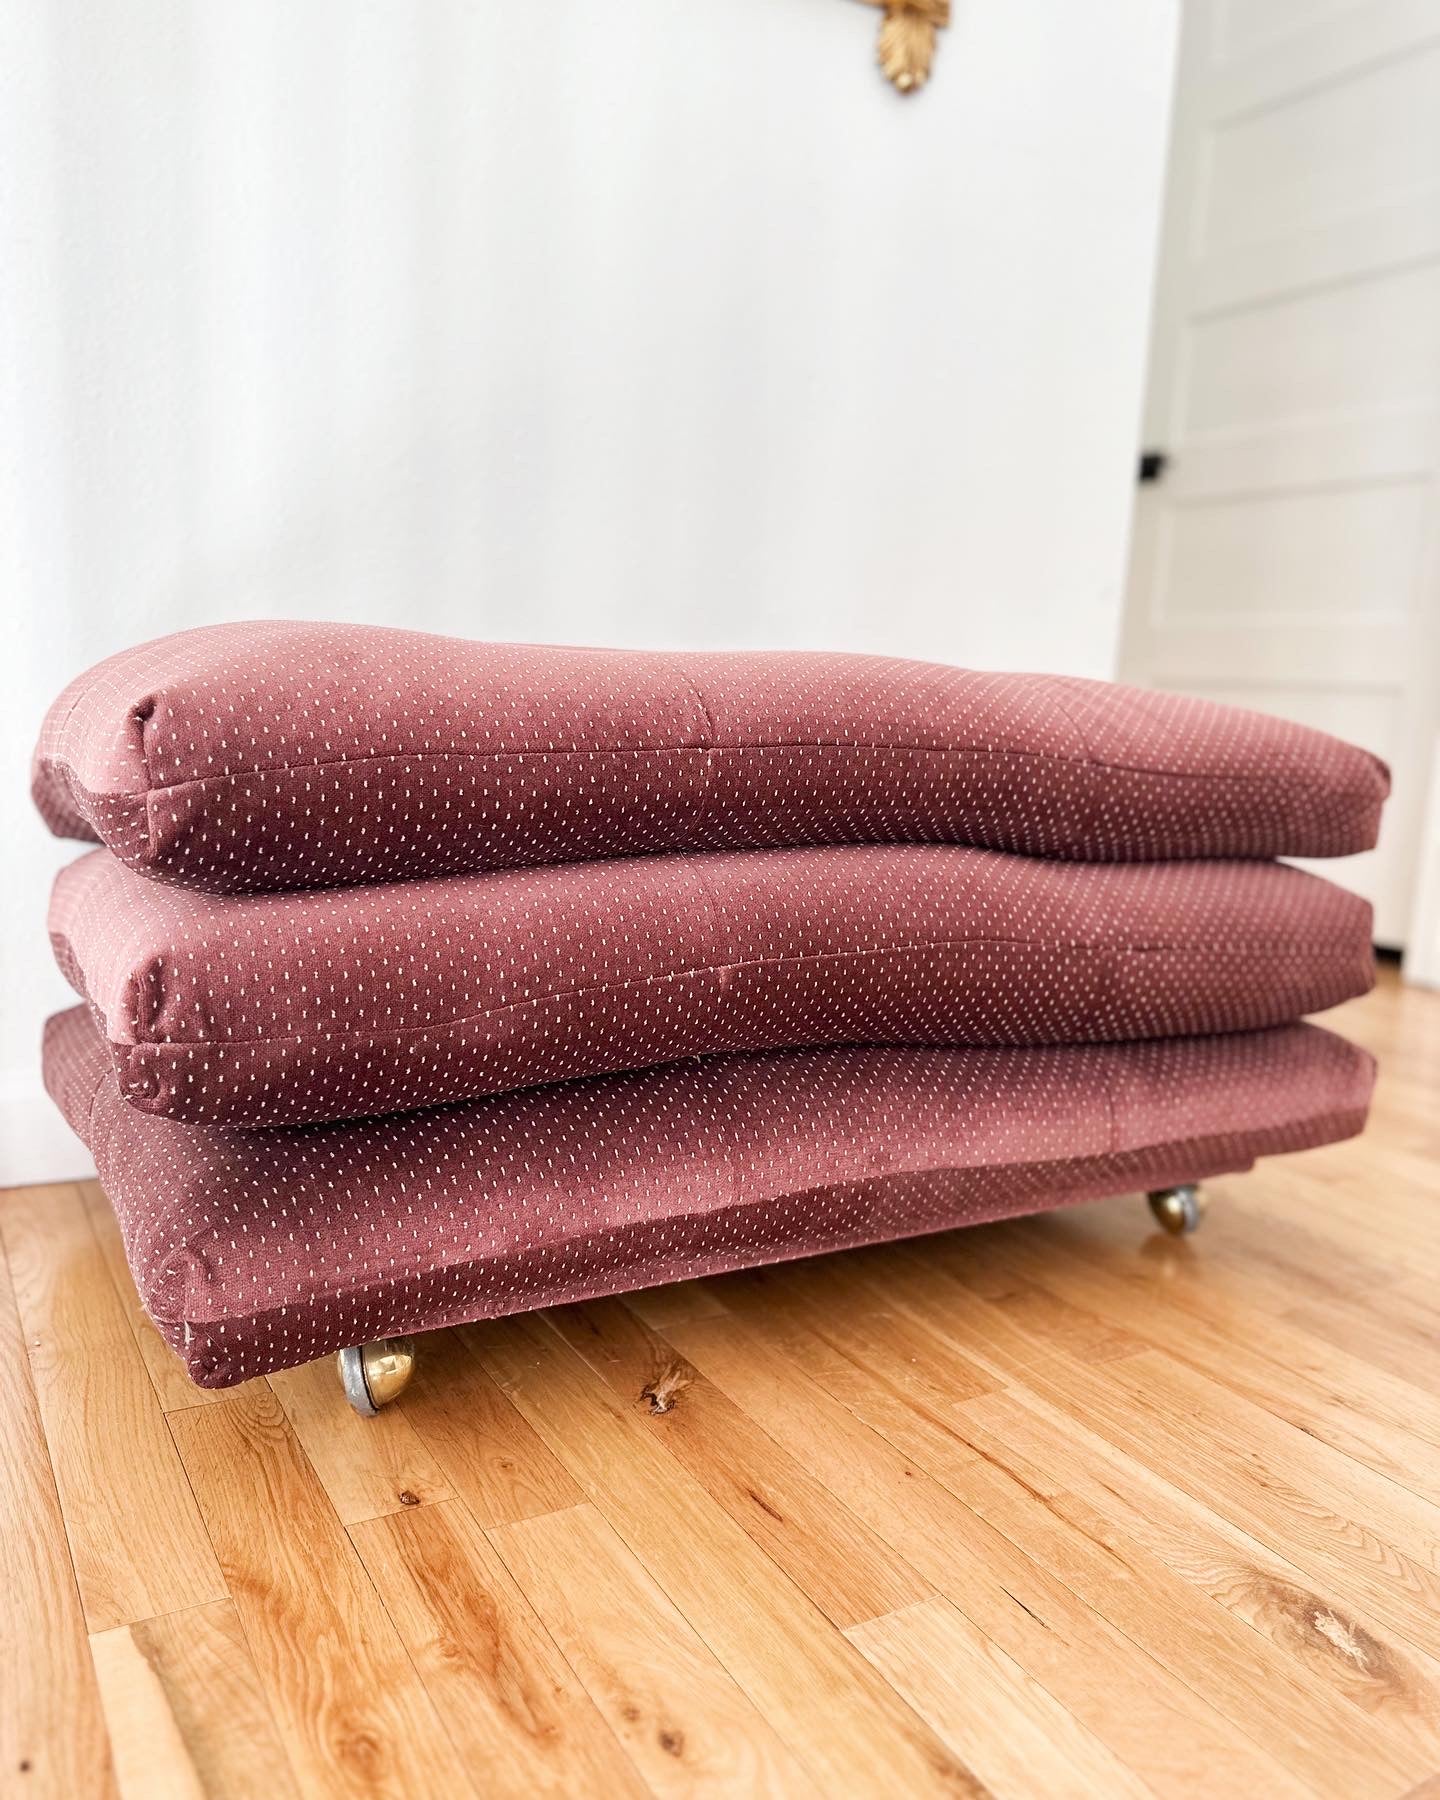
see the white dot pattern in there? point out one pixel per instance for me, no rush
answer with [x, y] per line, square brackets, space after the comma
[255, 1251]
[331, 1004]
[281, 754]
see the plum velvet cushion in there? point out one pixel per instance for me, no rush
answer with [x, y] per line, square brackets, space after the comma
[268, 1009]
[274, 755]
[256, 1250]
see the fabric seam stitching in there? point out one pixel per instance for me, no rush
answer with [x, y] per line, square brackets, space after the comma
[1231, 946]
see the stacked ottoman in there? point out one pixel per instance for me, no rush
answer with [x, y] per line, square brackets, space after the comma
[427, 981]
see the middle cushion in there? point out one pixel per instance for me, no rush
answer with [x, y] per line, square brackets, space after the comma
[282, 1009]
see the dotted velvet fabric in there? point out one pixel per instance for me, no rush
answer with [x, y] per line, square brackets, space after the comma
[255, 1251]
[261, 756]
[337, 1003]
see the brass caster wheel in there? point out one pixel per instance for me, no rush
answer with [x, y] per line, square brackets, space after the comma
[1177, 1210]
[375, 1374]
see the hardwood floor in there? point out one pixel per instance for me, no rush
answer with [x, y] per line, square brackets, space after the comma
[1058, 1507]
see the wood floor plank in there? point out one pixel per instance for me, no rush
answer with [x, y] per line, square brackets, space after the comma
[366, 1466]
[1297, 1256]
[487, 1453]
[1016, 1736]
[1415, 1299]
[882, 1365]
[350, 1709]
[1276, 1266]
[844, 1314]
[1348, 1659]
[135, 1536]
[995, 1265]
[1169, 1736]
[777, 1645]
[515, 1711]
[1334, 1345]
[53, 1742]
[1359, 1563]
[1265, 1266]
[828, 1553]
[683, 1720]
[185, 1710]
[1402, 1530]
[1391, 1426]
[1254, 1685]
[660, 1306]
[1392, 1332]
[1346, 1203]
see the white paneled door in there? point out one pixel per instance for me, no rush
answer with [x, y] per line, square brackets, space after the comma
[1285, 555]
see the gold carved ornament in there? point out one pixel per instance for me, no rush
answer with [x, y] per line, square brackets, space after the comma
[907, 39]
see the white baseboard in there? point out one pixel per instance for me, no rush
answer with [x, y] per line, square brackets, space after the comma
[36, 1145]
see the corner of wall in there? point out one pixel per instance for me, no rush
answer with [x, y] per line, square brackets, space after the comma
[36, 1145]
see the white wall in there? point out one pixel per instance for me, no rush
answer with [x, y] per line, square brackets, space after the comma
[1422, 953]
[667, 324]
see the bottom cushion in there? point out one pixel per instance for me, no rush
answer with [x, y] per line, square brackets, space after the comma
[256, 1250]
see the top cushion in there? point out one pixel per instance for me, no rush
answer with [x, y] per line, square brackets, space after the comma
[283, 754]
